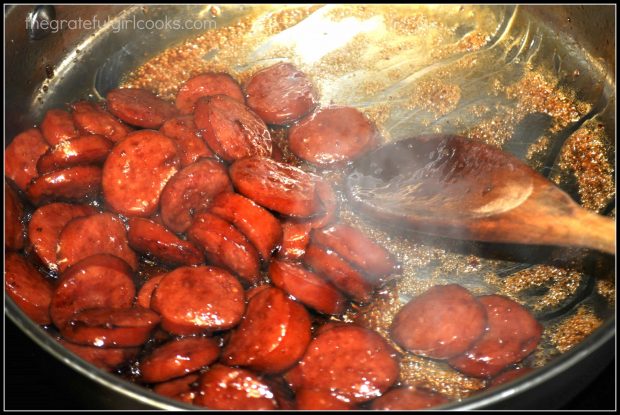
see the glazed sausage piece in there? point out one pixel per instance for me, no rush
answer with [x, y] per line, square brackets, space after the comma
[272, 336]
[231, 129]
[140, 107]
[307, 287]
[224, 387]
[327, 199]
[204, 85]
[509, 375]
[85, 149]
[145, 294]
[320, 400]
[92, 119]
[225, 246]
[295, 239]
[21, 157]
[28, 288]
[332, 137]
[136, 172]
[46, 224]
[13, 215]
[191, 191]
[355, 363]
[194, 299]
[107, 359]
[276, 186]
[178, 358]
[111, 327]
[97, 281]
[261, 228]
[408, 398]
[512, 334]
[181, 389]
[443, 322]
[191, 145]
[58, 126]
[102, 233]
[281, 94]
[148, 237]
[77, 183]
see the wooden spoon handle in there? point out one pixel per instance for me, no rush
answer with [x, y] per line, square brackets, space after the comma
[589, 230]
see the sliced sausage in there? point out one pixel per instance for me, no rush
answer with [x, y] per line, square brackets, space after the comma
[107, 359]
[195, 299]
[191, 191]
[224, 387]
[272, 336]
[276, 186]
[140, 107]
[97, 281]
[178, 358]
[512, 334]
[85, 149]
[145, 294]
[231, 129]
[191, 145]
[329, 203]
[148, 237]
[261, 228]
[92, 119]
[281, 94]
[353, 362]
[136, 172]
[77, 183]
[102, 233]
[46, 224]
[332, 137]
[58, 126]
[13, 215]
[21, 156]
[320, 400]
[295, 239]
[307, 287]
[181, 389]
[28, 288]
[443, 322]
[204, 85]
[408, 398]
[509, 376]
[111, 327]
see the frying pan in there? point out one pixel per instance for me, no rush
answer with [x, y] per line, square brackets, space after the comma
[527, 79]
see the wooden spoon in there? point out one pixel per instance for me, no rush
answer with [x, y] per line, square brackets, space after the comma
[451, 186]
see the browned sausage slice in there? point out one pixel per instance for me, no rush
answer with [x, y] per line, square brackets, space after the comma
[443, 322]
[46, 224]
[13, 215]
[281, 94]
[58, 126]
[106, 359]
[85, 149]
[145, 294]
[509, 376]
[98, 281]
[181, 389]
[140, 107]
[178, 358]
[77, 183]
[204, 85]
[320, 400]
[225, 246]
[102, 233]
[353, 362]
[191, 191]
[307, 287]
[21, 156]
[257, 224]
[187, 136]
[408, 398]
[28, 288]
[512, 334]
[276, 186]
[195, 299]
[224, 387]
[329, 203]
[272, 336]
[231, 129]
[92, 119]
[137, 170]
[148, 237]
[295, 239]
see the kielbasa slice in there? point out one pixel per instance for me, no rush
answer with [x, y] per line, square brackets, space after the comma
[21, 157]
[102, 233]
[71, 184]
[408, 398]
[231, 129]
[148, 237]
[307, 287]
[145, 294]
[191, 191]
[58, 126]
[194, 299]
[181, 389]
[295, 239]
[13, 215]
[28, 288]
[225, 246]
[320, 400]
[327, 198]
[92, 119]
[272, 336]
[509, 376]
[191, 145]
[512, 334]
[85, 149]
[107, 359]
[204, 85]
[136, 172]
[261, 228]
[443, 322]
[281, 94]
[178, 358]
[140, 107]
